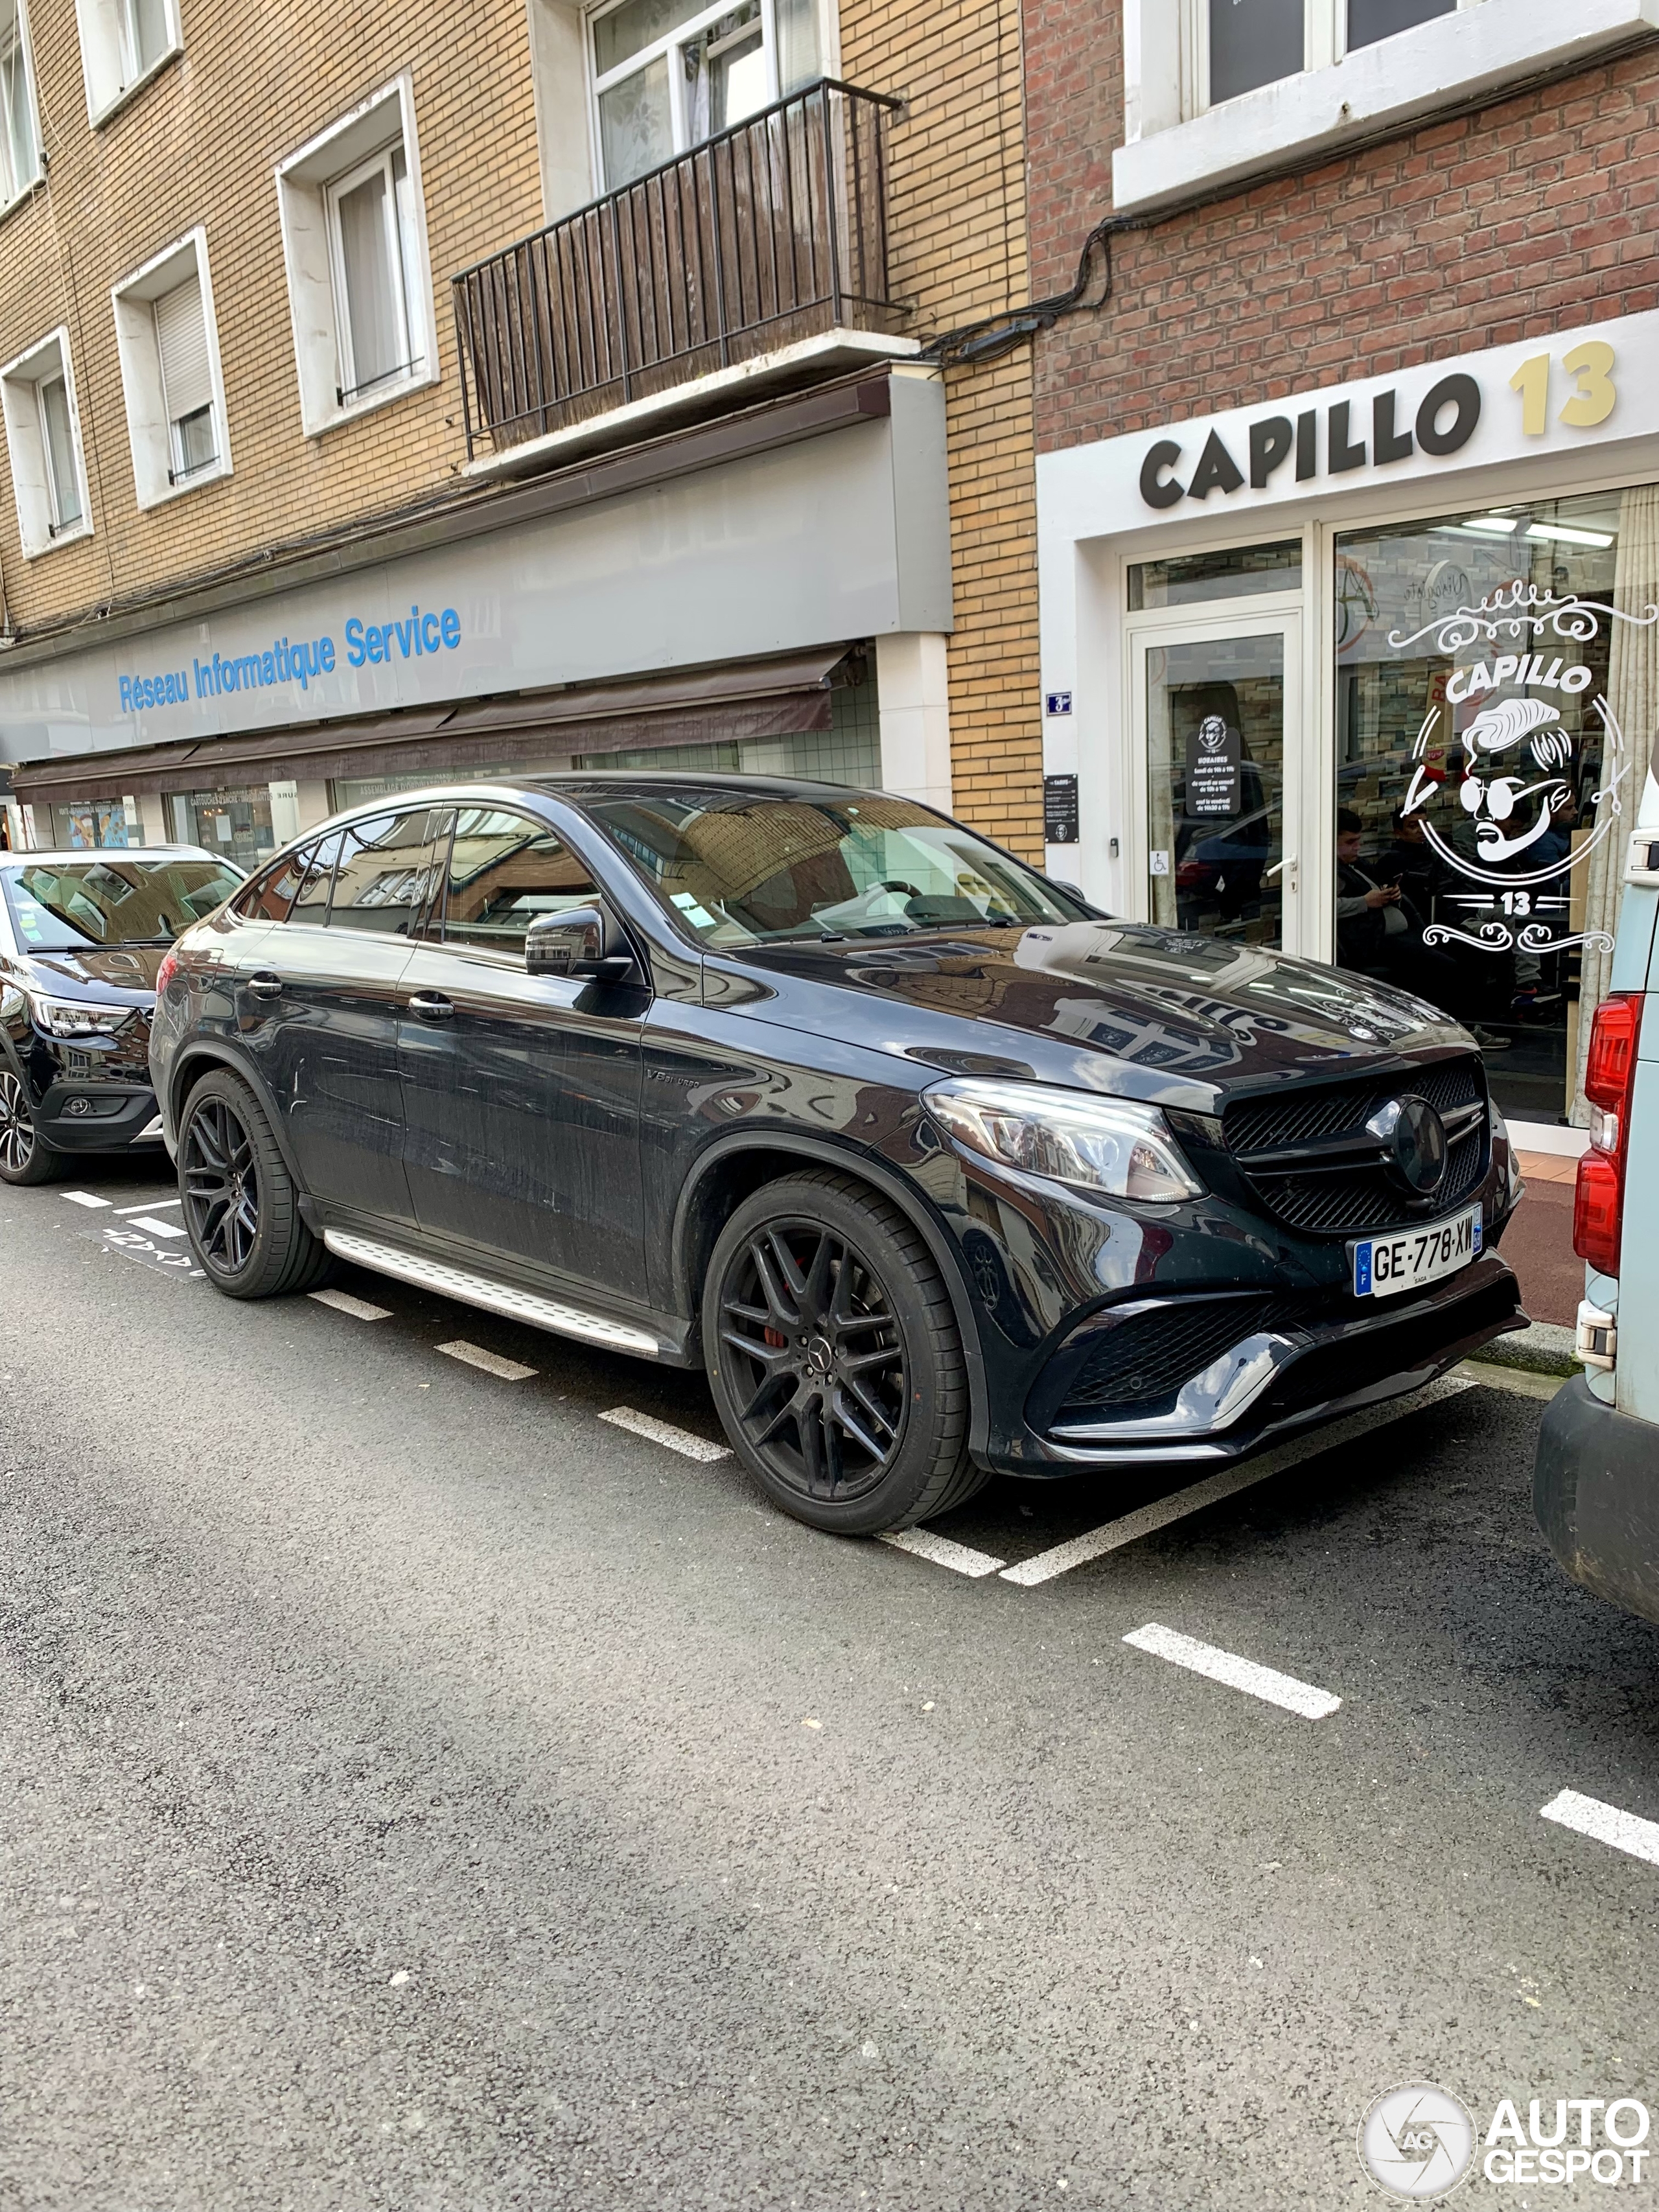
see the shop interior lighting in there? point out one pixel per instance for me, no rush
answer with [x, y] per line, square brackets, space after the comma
[1571, 537]
[1492, 525]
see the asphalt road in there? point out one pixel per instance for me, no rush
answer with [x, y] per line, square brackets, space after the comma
[416, 1792]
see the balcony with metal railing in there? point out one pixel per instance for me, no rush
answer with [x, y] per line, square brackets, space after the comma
[753, 245]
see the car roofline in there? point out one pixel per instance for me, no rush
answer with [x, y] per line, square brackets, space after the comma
[19, 857]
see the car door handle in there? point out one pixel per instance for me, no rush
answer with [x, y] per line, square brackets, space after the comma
[431, 1006]
[262, 984]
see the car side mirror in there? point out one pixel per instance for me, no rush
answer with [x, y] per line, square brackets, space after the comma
[573, 943]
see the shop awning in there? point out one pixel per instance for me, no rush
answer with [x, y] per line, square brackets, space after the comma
[721, 705]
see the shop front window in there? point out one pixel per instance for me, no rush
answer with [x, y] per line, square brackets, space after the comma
[86, 825]
[232, 825]
[1495, 672]
[849, 751]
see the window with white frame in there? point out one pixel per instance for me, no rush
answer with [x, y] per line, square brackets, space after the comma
[1248, 42]
[1217, 90]
[360, 284]
[181, 346]
[123, 42]
[20, 137]
[42, 443]
[170, 372]
[374, 249]
[668, 74]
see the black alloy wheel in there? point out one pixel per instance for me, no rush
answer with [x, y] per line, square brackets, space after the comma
[241, 1206]
[822, 1357]
[23, 1158]
[834, 1358]
[219, 1177]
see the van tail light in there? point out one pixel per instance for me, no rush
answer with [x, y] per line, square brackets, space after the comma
[166, 972]
[1598, 1205]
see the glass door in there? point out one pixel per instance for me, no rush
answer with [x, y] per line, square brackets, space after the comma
[1216, 710]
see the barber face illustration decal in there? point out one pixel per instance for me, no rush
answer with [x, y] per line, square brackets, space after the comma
[1506, 803]
[1511, 812]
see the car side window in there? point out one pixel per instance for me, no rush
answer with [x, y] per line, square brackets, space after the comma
[506, 872]
[383, 878]
[270, 896]
[311, 904]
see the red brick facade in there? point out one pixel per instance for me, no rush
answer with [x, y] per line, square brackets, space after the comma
[1538, 211]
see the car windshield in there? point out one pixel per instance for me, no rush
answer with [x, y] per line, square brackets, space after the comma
[66, 906]
[741, 868]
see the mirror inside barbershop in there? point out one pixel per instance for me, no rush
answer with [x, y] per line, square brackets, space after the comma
[1496, 675]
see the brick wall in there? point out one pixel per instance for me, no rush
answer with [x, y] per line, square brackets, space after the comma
[1539, 212]
[959, 223]
[199, 145]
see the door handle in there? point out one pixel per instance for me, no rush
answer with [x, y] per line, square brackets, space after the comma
[431, 1006]
[1289, 864]
[262, 984]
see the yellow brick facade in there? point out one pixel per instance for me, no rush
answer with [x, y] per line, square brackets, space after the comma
[199, 145]
[960, 251]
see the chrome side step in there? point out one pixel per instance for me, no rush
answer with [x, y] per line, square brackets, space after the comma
[495, 1297]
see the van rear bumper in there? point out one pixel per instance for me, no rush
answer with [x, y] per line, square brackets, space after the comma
[1595, 1491]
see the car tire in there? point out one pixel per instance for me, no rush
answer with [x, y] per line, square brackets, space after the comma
[241, 1206]
[25, 1157]
[835, 1357]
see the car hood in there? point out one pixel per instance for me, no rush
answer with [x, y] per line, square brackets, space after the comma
[122, 968]
[1116, 1006]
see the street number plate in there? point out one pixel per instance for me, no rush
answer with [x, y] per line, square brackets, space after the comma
[1385, 1266]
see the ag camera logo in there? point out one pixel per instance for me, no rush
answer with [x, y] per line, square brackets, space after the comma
[1417, 2142]
[1420, 2142]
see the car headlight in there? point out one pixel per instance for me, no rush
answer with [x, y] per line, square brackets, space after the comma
[1110, 1145]
[73, 1018]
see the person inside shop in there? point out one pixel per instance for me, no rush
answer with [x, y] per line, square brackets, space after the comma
[1413, 863]
[1379, 931]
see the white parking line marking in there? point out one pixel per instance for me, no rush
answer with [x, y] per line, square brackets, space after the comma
[1606, 1824]
[509, 1370]
[157, 1227]
[665, 1433]
[152, 1205]
[1045, 1565]
[1264, 1682]
[961, 1558]
[83, 1198]
[359, 1309]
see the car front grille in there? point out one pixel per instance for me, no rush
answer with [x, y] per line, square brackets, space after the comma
[1309, 1160]
[1143, 1360]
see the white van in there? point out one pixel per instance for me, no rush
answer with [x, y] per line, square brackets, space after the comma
[1595, 1487]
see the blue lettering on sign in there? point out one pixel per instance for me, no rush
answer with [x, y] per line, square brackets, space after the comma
[139, 693]
[422, 634]
[287, 661]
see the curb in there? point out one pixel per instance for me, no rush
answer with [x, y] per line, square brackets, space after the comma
[1544, 1348]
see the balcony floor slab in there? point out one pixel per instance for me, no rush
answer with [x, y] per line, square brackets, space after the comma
[828, 353]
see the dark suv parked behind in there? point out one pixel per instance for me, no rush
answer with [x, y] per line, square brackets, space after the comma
[934, 1169]
[82, 935]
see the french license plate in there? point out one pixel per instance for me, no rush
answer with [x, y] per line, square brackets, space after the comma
[1385, 1266]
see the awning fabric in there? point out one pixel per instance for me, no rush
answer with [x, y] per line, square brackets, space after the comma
[721, 705]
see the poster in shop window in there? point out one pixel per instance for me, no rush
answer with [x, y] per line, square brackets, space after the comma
[1215, 770]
